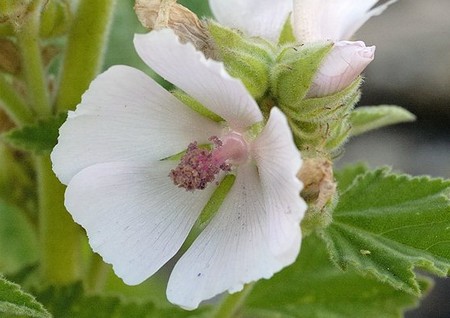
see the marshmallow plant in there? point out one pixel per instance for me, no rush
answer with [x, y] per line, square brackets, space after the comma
[213, 191]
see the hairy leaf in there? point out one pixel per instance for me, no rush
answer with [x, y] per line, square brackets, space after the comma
[386, 225]
[39, 137]
[14, 301]
[313, 288]
[367, 118]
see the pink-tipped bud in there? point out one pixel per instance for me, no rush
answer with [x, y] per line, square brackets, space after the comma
[341, 67]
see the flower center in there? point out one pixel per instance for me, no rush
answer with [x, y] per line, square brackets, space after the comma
[199, 166]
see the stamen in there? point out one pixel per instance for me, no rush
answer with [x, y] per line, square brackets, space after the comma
[199, 167]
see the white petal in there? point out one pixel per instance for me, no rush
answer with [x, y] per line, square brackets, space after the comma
[341, 67]
[264, 18]
[279, 161]
[126, 115]
[135, 217]
[316, 20]
[255, 233]
[205, 80]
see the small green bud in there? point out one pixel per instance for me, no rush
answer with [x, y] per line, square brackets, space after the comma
[294, 71]
[248, 59]
[55, 19]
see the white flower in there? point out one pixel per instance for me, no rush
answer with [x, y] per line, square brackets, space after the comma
[130, 199]
[312, 21]
[335, 20]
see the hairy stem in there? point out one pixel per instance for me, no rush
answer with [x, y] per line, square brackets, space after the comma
[84, 53]
[59, 235]
[32, 65]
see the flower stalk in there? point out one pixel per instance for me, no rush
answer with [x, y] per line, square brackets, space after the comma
[59, 235]
[28, 41]
[85, 48]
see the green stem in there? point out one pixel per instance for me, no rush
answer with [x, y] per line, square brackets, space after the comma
[84, 53]
[13, 104]
[59, 235]
[32, 65]
[229, 307]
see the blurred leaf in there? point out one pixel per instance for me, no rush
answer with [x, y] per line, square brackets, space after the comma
[14, 301]
[368, 118]
[17, 240]
[39, 137]
[387, 225]
[71, 301]
[313, 288]
[201, 8]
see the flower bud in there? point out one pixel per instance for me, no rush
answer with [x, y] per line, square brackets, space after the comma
[341, 67]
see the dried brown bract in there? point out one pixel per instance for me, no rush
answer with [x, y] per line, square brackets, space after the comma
[160, 14]
[319, 185]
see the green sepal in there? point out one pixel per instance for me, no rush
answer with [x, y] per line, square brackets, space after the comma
[39, 137]
[55, 18]
[322, 124]
[14, 301]
[287, 33]
[387, 225]
[196, 106]
[328, 108]
[367, 118]
[216, 200]
[248, 59]
[294, 72]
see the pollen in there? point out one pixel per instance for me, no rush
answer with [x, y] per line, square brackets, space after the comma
[198, 167]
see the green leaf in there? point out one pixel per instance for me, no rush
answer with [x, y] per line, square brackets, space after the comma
[348, 175]
[71, 301]
[367, 118]
[387, 225]
[17, 240]
[14, 301]
[39, 137]
[313, 288]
